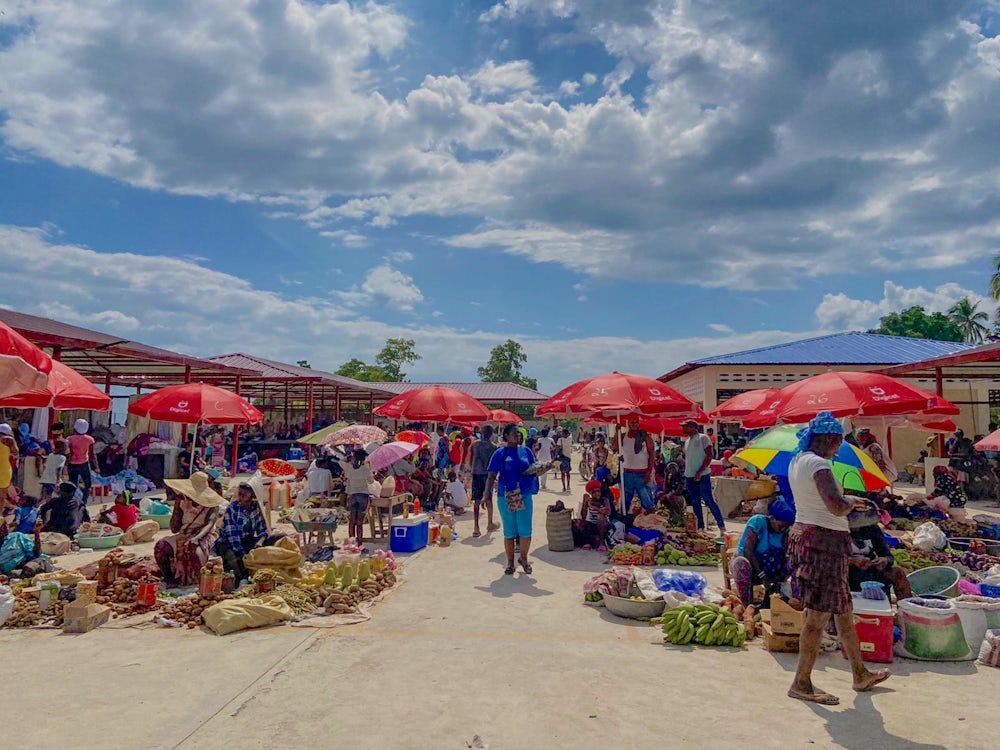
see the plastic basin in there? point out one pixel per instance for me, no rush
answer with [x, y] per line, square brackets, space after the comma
[937, 580]
[963, 543]
[161, 518]
[99, 542]
[624, 607]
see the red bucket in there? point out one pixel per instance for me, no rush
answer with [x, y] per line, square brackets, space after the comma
[146, 595]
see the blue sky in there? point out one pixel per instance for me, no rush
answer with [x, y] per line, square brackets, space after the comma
[617, 185]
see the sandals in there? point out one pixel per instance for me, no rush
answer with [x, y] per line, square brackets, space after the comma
[527, 566]
[509, 570]
[476, 534]
[824, 699]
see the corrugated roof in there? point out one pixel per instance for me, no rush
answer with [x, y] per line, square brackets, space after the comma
[852, 348]
[486, 392]
[272, 370]
[981, 361]
[95, 354]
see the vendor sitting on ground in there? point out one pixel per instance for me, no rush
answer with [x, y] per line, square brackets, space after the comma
[455, 494]
[673, 495]
[64, 513]
[196, 512]
[18, 549]
[243, 529]
[760, 554]
[946, 485]
[122, 514]
[25, 514]
[871, 558]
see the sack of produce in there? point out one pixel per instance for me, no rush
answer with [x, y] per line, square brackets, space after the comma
[239, 614]
[54, 543]
[6, 603]
[989, 652]
[931, 630]
[140, 531]
[559, 530]
[284, 557]
[978, 614]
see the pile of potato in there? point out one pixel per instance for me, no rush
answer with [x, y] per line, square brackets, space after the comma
[187, 611]
[26, 613]
[340, 602]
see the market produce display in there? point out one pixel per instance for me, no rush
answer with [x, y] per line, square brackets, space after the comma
[674, 556]
[704, 624]
[26, 613]
[187, 611]
[121, 597]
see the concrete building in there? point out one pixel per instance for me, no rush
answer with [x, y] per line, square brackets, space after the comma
[713, 380]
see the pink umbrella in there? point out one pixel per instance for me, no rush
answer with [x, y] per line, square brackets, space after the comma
[356, 434]
[386, 455]
[989, 443]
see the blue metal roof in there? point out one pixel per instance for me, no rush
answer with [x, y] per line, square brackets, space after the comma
[852, 348]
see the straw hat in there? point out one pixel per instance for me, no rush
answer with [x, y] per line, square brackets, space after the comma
[198, 488]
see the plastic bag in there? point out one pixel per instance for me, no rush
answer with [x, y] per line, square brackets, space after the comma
[684, 581]
[928, 537]
[6, 603]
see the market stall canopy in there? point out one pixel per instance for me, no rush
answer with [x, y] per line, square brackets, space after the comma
[846, 394]
[65, 389]
[23, 366]
[434, 404]
[195, 403]
[103, 358]
[487, 393]
[317, 438]
[773, 451]
[617, 394]
[734, 409]
[667, 426]
[989, 443]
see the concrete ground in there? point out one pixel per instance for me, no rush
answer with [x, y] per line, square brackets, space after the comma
[462, 650]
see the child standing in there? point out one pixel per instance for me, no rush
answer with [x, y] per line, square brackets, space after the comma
[54, 469]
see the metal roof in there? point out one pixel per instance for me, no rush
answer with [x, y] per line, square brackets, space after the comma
[270, 370]
[975, 362]
[851, 348]
[98, 356]
[485, 392]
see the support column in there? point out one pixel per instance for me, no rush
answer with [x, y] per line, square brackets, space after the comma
[286, 404]
[336, 404]
[939, 390]
[236, 436]
[371, 408]
[309, 410]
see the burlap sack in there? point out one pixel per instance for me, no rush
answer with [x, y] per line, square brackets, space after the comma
[54, 543]
[140, 531]
[239, 614]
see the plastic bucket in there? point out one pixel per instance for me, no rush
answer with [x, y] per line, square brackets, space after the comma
[937, 580]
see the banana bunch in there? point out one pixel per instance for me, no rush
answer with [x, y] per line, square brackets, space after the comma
[673, 556]
[705, 624]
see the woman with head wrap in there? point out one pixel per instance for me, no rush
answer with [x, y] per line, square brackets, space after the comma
[760, 554]
[81, 457]
[819, 551]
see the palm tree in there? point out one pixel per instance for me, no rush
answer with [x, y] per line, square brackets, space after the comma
[995, 278]
[970, 320]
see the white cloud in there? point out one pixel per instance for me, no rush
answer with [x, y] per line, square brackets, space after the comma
[384, 284]
[569, 88]
[497, 79]
[840, 312]
[752, 144]
[721, 327]
[402, 256]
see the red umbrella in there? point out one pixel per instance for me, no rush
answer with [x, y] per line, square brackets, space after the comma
[989, 443]
[23, 366]
[846, 394]
[507, 417]
[66, 389]
[742, 404]
[413, 436]
[434, 404]
[669, 426]
[193, 403]
[617, 394]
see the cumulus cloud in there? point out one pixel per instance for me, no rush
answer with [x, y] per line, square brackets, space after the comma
[166, 301]
[721, 328]
[753, 143]
[384, 284]
[840, 312]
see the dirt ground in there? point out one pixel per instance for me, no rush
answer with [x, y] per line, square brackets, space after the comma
[462, 650]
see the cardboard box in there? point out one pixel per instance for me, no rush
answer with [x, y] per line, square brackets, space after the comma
[788, 644]
[784, 619]
[86, 592]
[82, 618]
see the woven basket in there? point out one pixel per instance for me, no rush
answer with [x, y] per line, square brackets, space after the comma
[559, 530]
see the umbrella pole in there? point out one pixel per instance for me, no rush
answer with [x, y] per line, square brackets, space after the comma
[194, 443]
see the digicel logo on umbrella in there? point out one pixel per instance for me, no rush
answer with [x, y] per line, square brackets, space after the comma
[879, 394]
[181, 408]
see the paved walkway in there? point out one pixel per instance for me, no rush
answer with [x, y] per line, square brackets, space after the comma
[460, 650]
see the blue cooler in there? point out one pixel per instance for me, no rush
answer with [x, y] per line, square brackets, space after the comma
[409, 534]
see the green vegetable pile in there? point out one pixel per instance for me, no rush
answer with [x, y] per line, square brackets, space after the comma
[704, 624]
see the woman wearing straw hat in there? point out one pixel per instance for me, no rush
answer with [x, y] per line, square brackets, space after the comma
[196, 511]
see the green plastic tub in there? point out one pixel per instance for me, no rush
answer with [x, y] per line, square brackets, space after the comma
[937, 580]
[99, 542]
[161, 518]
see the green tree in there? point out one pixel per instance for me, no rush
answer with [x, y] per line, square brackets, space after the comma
[916, 323]
[355, 368]
[505, 364]
[970, 320]
[394, 356]
[995, 278]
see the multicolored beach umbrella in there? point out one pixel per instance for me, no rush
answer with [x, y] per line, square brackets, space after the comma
[774, 450]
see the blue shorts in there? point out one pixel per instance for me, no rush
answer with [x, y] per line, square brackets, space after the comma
[518, 523]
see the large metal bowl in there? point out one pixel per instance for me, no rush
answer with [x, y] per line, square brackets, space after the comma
[632, 609]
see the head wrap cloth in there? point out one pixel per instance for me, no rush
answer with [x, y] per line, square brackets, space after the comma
[823, 423]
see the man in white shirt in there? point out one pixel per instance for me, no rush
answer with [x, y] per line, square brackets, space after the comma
[565, 459]
[543, 453]
[698, 453]
[456, 496]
